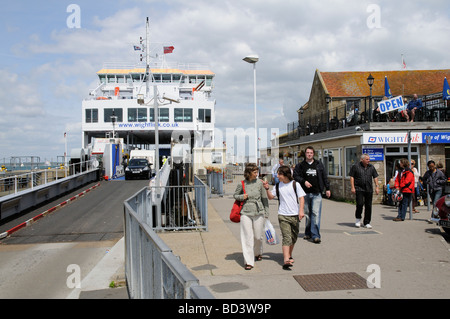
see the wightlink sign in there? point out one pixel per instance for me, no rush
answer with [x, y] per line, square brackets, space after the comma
[391, 138]
[390, 105]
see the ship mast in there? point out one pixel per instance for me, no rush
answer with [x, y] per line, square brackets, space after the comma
[155, 101]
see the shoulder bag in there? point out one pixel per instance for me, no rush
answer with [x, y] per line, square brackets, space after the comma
[235, 215]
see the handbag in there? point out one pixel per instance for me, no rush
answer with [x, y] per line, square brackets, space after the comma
[235, 215]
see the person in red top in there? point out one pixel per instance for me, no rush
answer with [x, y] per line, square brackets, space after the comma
[405, 184]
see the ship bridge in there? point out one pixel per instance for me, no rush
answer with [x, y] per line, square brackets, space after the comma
[123, 105]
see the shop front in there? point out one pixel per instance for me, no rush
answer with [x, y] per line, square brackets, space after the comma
[385, 149]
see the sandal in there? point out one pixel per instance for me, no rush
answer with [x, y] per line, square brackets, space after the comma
[248, 267]
[291, 260]
[258, 258]
[287, 265]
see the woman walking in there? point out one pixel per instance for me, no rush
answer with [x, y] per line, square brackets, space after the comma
[255, 209]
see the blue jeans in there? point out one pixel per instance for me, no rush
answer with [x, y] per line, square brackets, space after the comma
[404, 205]
[313, 210]
[435, 195]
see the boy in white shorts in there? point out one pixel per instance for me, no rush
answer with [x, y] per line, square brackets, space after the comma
[290, 210]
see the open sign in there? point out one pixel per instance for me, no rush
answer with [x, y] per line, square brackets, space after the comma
[390, 105]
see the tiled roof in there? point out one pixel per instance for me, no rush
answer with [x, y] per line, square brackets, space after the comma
[354, 84]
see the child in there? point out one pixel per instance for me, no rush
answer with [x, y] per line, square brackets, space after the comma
[290, 210]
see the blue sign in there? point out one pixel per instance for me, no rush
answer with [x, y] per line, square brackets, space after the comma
[441, 138]
[375, 154]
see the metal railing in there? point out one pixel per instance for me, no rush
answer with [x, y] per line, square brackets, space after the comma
[151, 269]
[174, 207]
[17, 182]
[434, 110]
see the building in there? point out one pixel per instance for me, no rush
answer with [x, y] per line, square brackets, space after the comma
[339, 120]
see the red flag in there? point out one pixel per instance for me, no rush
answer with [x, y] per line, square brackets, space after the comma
[168, 49]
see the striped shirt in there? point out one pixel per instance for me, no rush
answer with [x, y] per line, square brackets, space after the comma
[363, 177]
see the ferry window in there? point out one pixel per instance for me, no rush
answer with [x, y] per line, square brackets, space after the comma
[192, 79]
[120, 79]
[102, 78]
[163, 115]
[109, 112]
[187, 115]
[208, 80]
[91, 115]
[166, 78]
[176, 77]
[204, 115]
[157, 78]
[136, 77]
[182, 115]
[111, 79]
[350, 159]
[137, 115]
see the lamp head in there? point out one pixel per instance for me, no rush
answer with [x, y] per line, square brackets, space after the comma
[370, 80]
[251, 58]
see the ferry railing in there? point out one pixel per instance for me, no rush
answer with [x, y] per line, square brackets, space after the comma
[152, 271]
[181, 207]
[14, 184]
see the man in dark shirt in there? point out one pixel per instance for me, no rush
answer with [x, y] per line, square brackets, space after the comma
[311, 175]
[361, 175]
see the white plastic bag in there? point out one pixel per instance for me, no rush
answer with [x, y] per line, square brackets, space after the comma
[271, 235]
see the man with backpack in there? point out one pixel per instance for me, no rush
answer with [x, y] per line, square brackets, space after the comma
[312, 177]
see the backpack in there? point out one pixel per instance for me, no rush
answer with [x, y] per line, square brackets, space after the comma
[278, 191]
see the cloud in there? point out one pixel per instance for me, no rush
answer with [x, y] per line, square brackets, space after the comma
[292, 39]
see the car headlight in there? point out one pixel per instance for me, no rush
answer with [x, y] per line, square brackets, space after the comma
[145, 168]
[436, 212]
[447, 200]
[127, 169]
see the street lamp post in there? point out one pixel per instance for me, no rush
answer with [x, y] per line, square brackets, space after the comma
[370, 80]
[252, 59]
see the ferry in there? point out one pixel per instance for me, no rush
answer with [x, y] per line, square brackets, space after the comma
[122, 107]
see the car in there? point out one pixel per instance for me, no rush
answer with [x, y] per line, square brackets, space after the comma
[441, 213]
[138, 168]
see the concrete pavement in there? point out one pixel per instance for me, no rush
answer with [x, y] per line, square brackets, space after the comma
[409, 259]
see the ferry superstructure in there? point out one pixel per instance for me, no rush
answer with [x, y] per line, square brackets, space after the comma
[123, 104]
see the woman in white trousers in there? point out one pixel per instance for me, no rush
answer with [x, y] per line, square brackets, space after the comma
[253, 213]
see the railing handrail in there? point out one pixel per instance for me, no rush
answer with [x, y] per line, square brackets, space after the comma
[151, 269]
[33, 177]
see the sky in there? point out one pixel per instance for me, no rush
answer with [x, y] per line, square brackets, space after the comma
[49, 56]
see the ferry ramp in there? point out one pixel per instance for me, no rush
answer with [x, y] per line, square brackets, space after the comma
[37, 260]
